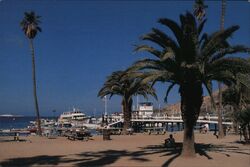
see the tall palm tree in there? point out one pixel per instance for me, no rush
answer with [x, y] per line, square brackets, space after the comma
[244, 120]
[190, 61]
[237, 96]
[219, 109]
[120, 83]
[30, 27]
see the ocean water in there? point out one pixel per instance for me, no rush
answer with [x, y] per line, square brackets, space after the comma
[15, 122]
[23, 122]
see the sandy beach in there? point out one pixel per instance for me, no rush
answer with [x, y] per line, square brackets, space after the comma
[134, 150]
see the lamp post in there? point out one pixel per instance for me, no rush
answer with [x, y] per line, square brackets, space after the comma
[105, 109]
[105, 106]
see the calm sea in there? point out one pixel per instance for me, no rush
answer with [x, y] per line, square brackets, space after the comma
[23, 122]
[16, 122]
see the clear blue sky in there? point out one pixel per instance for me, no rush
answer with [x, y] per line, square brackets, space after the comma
[84, 41]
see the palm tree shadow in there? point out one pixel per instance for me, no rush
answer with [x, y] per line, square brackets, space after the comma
[203, 149]
[200, 148]
[29, 161]
[13, 141]
[173, 152]
[101, 158]
[109, 157]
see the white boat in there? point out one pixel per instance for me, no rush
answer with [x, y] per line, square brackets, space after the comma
[10, 115]
[75, 115]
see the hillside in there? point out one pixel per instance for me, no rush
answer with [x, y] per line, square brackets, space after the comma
[174, 109]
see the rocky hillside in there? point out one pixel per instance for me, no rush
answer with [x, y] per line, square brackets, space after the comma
[174, 109]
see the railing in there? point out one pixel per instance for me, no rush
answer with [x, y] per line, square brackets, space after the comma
[174, 119]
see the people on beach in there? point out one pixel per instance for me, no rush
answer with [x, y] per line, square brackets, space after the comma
[170, 142]
[204, 128]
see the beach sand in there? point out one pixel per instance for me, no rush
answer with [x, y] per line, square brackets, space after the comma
[134, 150]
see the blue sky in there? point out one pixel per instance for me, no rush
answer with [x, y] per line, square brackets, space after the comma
[84, 41]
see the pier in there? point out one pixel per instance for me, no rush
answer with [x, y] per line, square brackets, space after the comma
[172, 119]
[168, 123]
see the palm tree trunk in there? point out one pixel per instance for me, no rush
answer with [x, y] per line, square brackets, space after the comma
[191, 101]
[126, 104]
[34, 88]
[220, 126]
[237, 109]
[244, 132]
[247, 133]
[235, 121]
[219, 112]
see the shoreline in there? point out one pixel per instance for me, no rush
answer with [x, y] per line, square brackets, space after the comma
[134, 150]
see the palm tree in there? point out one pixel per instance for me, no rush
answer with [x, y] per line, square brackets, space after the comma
[119, 83]
[190, 61]
[30, 27]
[237, 96]
[244, 120]
[219, 109]
[199, 10]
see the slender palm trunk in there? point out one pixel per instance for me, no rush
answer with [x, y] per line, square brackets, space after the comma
[236, 110]
[248, 126]
[244, 132]
[220, 126]
[34, 88]
[127, 105]
[219, 112]
[191, 101]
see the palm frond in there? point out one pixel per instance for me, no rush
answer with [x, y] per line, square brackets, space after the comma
[200, 28]
[157, 75]
[216, 41]
[232, 64]
[226, 77]
[174, 27]
[146, 64]
[148, 49]
[168, 91]
[30, 24]
[230, 50]
[169, 42]
[244, 80]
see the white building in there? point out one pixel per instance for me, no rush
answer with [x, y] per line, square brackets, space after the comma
[145, 109]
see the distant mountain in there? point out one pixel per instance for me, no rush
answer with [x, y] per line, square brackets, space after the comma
[175, 109]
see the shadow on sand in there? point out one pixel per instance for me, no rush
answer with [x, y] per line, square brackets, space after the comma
[109, 157]
[29, 161]
[13, 141]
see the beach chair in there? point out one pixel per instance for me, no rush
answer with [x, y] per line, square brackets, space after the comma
[84, 135]
[79, 135]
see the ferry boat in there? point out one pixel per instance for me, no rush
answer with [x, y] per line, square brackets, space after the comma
[75, 115]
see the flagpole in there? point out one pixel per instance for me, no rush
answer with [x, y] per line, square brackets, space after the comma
[106, 106]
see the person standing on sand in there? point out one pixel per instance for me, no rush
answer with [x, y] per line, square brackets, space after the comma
[206, 127]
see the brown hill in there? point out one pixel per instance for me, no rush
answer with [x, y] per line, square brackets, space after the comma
[175, 109]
